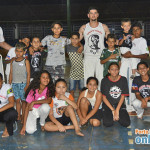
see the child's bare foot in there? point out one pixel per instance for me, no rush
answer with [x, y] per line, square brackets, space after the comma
[5, 133]
[79, 133]
[42, 128]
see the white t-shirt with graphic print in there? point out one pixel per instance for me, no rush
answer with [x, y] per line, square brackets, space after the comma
[5, 92]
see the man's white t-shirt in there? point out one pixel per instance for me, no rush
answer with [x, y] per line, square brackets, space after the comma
[11, 53]
[139, 47]
[5, 92]
[1, 35]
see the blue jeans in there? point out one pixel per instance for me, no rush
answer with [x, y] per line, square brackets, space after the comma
[73, 84]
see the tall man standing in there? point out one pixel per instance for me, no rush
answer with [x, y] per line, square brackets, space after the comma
[94, 33]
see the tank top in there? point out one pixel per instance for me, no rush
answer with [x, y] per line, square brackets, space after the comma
[91, 100]
[94, 40]
[19, 72]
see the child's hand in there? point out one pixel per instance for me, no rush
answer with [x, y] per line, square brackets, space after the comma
[133, 37]
[22, 132]
[13, 59]
[62, 97]
[116, 115]
[83, 121]
[124, 37]
[31, 106]
[113, 56]
[61, 128]
[31, 51]
[79, 50]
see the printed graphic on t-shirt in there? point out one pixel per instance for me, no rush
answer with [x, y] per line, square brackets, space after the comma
[93, 42]
[115, 92]
[128, 40]
[35, 61]
[145, 90]
[59, 110]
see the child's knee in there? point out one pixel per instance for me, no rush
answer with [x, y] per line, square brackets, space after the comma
[45, 108]
[30, 130]
[83, 100]
[95, 123]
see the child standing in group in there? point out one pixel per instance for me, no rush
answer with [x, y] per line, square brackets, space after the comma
[35, 57]
[125, 43]
[55, 43]
[76, 59]
[38, 97]
[11, 55]
[20, 77]
[111, 54]
[62, 110]
[114, 89]
[89, 103]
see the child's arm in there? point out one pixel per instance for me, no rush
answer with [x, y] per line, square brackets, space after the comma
[81, 30]
[70, 102]
[28, 74]
[96, 106]
[106, 29]
[61, 128]
[9, 61]
[22, 132]
[130, 55]
[10, 74]
[80, 49]
[112, 56]
[123, 39]
[48, 100]
[9, 105]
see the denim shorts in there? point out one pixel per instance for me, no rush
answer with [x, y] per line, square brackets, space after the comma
[73, 84]
[18, 89]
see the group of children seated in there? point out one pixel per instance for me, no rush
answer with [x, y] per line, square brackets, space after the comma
[42, 93]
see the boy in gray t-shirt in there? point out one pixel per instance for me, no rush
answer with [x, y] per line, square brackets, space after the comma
[55, 43]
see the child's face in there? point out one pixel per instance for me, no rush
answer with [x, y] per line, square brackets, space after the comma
[93, 15]
[61, 88]
[44, 79]
[126, 26]
[143, 70]
[36, 43]
[26, 41]
[19, 52]
[74, 40]
[137, 32]
[92, 85]
[57, 29]
[114, 70]
[111, 43]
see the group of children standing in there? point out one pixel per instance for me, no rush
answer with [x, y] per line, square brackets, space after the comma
[34, 87]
